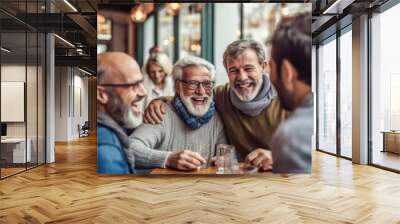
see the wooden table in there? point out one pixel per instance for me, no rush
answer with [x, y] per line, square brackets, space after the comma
[210, 170]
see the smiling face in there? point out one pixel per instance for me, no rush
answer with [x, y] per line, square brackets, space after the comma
[156, 73]
[197, 101]
[245, 75]
[122, 102]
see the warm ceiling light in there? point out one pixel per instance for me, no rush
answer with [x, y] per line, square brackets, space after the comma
[101, 19]
[138, 15]
[173, 8]
[284, 11]
[5, 49]
[70, 5]
[166, 42]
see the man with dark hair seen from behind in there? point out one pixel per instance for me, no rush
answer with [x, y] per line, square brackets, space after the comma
[291, 75]
[119, 90]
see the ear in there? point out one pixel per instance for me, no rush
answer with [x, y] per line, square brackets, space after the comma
[288, 74]
[177, 88]
[265, 67]
[102, 95]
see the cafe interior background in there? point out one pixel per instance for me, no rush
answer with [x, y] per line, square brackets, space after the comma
[181, 29]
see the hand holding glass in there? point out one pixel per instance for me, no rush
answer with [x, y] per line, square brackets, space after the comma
[204, 151]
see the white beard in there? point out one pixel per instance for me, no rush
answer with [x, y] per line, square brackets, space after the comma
[197, 111]
[131, 120]
[123, 114]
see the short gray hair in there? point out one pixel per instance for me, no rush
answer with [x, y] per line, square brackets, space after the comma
[236, 48]
[177, 71]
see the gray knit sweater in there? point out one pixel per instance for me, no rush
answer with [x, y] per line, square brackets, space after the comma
[151, 144]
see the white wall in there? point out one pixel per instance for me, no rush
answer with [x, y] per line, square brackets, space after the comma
[70, 84]
[61, 103]
[80, 83]
[33, 126]
[12, 73]
[225, 13]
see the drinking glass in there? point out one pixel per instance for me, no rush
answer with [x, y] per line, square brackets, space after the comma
[226, 161]
[203, 150]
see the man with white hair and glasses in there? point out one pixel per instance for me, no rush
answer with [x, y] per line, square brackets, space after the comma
[190, 126]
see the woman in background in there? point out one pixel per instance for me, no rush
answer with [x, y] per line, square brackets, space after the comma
[157, 80]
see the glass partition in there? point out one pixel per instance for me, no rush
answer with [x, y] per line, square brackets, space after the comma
[190, 29]
[13, 105]
[346, 94]
[41, 97]
[166, 38]
[327, 96]
[148, 41]
[385, 89]
[31, 98]
[22, 89]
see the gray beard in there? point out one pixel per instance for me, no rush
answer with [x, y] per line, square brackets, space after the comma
[250, 96]
[123, 114]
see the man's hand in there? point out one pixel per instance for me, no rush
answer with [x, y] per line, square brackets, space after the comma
[260, 158]
[185, 160]
[154, 112]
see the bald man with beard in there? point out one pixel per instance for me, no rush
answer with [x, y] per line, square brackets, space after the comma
[119, 90]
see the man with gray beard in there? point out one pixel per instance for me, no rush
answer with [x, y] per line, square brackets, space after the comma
[191, 130]
[119, 90]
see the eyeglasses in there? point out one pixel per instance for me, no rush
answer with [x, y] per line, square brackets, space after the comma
[193, 85]
[133, 86]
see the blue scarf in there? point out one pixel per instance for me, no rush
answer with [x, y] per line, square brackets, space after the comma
[192, 121]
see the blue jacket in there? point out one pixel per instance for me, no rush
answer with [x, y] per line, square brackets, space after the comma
[111, 158]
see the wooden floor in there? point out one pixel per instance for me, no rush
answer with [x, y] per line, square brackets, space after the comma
[387, 159]
[10, 171]
[70, 191]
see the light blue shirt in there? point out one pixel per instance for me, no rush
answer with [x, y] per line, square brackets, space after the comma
[111, 158]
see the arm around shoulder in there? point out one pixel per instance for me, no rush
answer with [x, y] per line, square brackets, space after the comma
[145, 143]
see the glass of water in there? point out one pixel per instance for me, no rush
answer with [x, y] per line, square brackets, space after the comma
[204, 150]
[226, 161]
